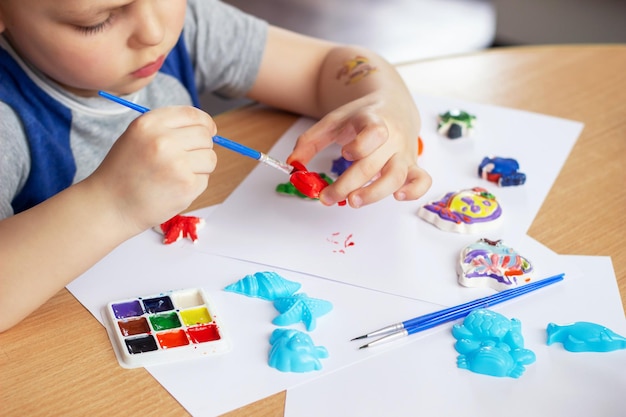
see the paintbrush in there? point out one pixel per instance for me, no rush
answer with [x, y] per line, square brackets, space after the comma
[428, 321]
[222, 141]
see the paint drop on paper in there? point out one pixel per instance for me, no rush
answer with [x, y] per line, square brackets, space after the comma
[340, 242]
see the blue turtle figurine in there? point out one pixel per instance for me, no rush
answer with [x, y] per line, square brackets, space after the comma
[489, 343]
[583, 336]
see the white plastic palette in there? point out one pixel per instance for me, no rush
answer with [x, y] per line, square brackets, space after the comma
[167, 327]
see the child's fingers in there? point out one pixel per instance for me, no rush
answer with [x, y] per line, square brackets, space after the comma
[359, 134]
[418, 181]
[201, 161]
[197, 146]
[392, 177]
[333, 127]
[311, 142]
[192, 138]
[405, 180]
[173, 126]
[166, 145]
[365, 141]
[354, 178]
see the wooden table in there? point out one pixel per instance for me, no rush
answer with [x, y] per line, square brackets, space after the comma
[50, 368]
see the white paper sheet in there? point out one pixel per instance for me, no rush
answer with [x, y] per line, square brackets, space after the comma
[421, 379]
[394, 251]
[212, 386]
[396, 263]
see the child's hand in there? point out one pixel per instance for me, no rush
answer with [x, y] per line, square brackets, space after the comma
[158, 166]
[384, 152]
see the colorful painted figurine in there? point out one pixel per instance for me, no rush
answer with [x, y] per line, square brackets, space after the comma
[502, 171]
[456, 124]
[340, 165]
[289, 189]
[294, 351]
[491, 344]
[179, 227]
[492, 264]
[306, 184]
[583, 336]
[466, 211]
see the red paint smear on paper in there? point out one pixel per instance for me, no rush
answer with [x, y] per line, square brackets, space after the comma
[335, 240]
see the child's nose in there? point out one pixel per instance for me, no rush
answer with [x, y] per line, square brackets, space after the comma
[149, 27]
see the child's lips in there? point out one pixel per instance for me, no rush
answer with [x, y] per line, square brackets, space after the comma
[150, 69]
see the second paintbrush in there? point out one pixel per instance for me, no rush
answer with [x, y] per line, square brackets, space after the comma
[428, 321]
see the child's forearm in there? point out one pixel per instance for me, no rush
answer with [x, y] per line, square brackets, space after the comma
[314, 77]
[350, 73]
[46, 247]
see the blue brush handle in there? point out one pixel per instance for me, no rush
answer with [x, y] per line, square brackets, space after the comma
[449, 314]
[237, 147]
[226, 143]
[126, 103]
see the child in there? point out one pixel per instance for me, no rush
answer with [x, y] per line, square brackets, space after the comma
[79, 174]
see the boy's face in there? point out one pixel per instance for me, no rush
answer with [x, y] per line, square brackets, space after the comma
[91, 45]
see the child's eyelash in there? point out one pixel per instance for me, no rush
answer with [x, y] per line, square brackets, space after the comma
[92, 30]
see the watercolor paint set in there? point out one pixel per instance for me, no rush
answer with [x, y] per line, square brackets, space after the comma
[163, 328]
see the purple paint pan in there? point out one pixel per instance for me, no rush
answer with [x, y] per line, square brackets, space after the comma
[163, 328]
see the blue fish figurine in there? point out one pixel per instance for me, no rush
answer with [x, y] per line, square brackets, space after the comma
[583, 336]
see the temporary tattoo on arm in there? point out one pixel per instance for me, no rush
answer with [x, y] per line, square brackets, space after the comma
[355, 70]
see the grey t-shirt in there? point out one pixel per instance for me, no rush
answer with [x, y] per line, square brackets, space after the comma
[225, 46]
